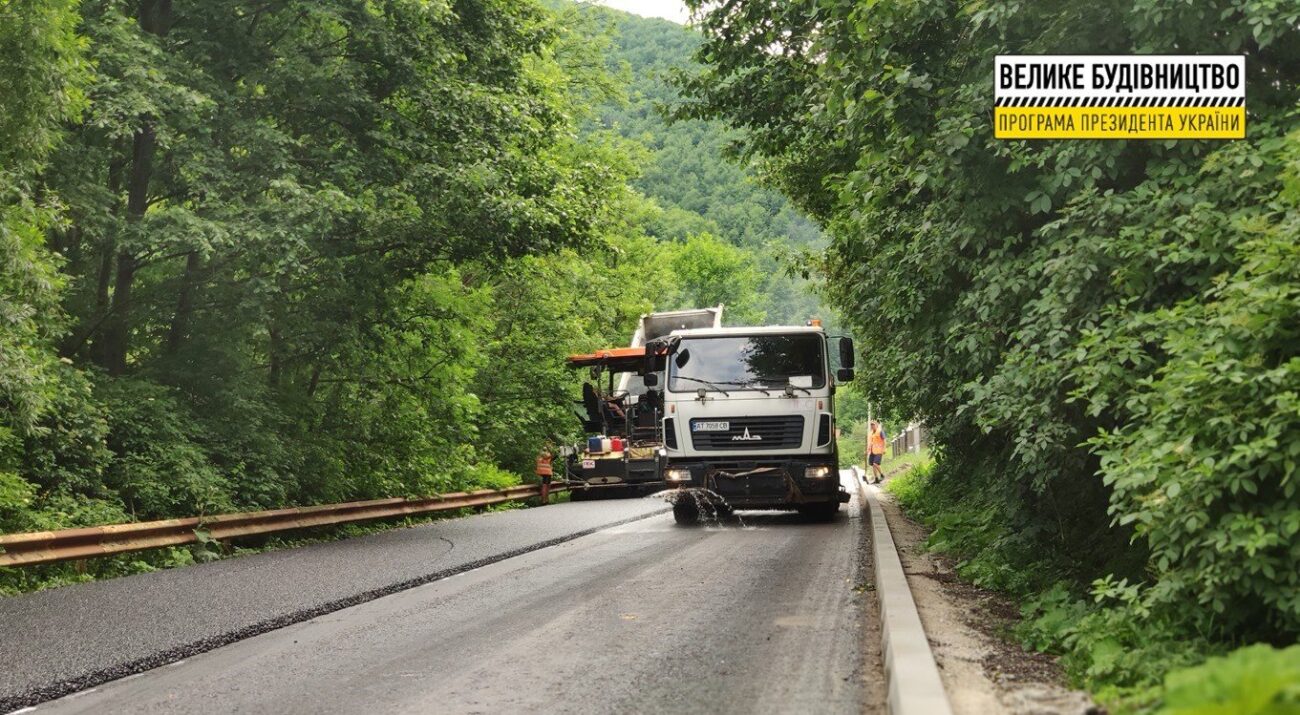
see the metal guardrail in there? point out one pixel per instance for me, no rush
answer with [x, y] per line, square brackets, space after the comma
[43, 547]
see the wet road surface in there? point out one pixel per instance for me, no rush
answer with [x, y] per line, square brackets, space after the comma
[758, 615]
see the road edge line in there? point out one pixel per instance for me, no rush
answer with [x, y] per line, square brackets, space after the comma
[911, 673]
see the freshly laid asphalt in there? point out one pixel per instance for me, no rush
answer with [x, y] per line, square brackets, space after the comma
[755, 615]
[67, 639]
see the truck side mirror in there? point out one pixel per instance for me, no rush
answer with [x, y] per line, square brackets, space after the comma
[847, 355]
[650, 379]
[844, 374]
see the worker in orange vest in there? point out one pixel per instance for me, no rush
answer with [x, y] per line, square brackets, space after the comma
[544, 472]
[875, 450]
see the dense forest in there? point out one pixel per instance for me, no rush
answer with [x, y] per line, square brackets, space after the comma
[700, 194]
[1103, 336]
[258, 254]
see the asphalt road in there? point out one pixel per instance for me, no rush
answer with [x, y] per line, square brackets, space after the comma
[645, 617]
[68, 639]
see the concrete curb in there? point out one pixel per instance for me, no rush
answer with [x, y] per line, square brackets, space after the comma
[915, 687]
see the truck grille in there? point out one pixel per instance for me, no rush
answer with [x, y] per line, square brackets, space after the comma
[774, 432]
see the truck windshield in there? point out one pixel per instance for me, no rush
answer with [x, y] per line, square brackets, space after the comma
[747, 362]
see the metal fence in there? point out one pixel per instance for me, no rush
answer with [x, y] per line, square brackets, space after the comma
[912, 439]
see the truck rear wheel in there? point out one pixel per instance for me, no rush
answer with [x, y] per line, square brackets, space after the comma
[686, 513]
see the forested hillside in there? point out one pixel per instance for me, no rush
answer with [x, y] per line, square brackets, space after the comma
[1102, 335]
[698, 192]
[263, 254]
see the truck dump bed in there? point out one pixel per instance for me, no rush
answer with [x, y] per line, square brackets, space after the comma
[657, 325]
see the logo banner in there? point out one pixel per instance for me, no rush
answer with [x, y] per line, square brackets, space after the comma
[1119, 97]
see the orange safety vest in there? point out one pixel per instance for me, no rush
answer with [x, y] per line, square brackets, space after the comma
[876, 442]
[544, 465]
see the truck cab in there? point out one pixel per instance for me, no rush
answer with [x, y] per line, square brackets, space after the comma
[749, 419]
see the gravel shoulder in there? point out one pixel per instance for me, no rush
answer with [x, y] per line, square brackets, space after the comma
[67, 639]
[982, 671]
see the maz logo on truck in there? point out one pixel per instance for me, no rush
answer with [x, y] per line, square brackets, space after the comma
[747, 437]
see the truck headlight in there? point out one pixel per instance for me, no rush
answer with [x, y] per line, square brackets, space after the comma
[677, 475]
[817, 472]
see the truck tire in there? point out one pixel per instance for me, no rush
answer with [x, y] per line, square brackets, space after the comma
[686, 513]
[819, 512]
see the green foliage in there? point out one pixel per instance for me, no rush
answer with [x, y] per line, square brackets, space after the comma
[41, 71]
[711, 272]
[29, 313]
[909, 488]
[697, 191]
[1102, 336]
[1110, 643]
[1256, 680]
[15, 492]
[850, 405]
[972, 528]
[159, 467]
[1208, 450]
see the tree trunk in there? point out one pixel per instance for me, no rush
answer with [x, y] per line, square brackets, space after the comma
[105, 276]
[154, 18]
[184, 302]
[117, 329]
[315, 381]
[274, 348]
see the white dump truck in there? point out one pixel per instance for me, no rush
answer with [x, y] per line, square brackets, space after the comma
[749, 418]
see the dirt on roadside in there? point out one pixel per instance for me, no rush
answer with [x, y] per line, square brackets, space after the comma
[875, 687]
[982, 670]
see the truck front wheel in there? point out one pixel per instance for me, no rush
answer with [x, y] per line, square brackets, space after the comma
[686, 512]
[819, 512]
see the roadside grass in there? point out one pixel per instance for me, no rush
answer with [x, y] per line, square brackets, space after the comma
[907, 461]
[1132, 661]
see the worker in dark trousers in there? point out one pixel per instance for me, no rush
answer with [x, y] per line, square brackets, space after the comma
[544, 472]
[875, 451]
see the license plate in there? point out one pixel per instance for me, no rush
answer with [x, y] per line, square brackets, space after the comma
[710, 426]
[588, 464]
